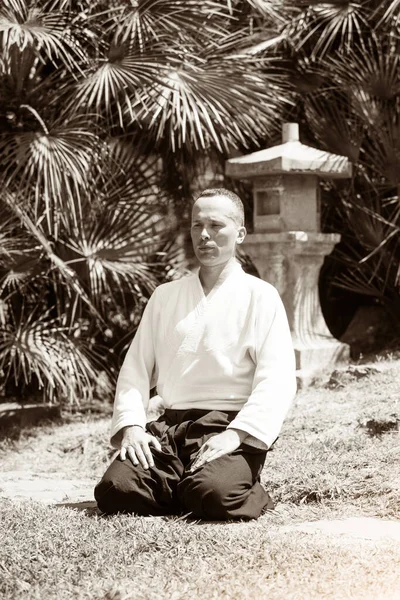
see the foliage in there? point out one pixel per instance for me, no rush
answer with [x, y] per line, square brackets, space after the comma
[107, 111]
[109, 114]
[74, 286]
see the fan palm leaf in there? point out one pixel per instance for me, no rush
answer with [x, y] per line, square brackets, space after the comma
[381, 150]
[135, 174]
[274, 10]
[322, 27]
[371, 68]
[371, 255]
[107, 86]
[390, 13]
[34, 346]
[51, 165]
[147, 20]
[192, 108]
[116, 251]
[377, 278]
[337, 127]
[172, 84]
[65, 273]
[19, 256]
[18, 273]
[373, 90]
[49, 33]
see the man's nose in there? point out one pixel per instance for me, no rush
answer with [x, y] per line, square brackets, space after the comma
[204, 234]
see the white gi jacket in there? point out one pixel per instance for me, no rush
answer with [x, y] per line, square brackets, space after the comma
[230, 350]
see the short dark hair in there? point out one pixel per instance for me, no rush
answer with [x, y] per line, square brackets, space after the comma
[234, 198]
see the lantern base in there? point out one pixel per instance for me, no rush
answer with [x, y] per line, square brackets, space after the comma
[319, 359]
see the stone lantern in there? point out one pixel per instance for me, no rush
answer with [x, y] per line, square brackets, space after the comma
[287, 245]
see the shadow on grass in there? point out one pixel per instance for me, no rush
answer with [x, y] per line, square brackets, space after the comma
[89, 507]
[91, 510]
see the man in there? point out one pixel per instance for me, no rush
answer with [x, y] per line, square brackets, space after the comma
[218, 348]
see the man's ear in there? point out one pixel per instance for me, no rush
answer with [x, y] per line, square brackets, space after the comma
[241, 235]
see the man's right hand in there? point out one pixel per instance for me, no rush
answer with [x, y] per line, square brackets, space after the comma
[136, 444]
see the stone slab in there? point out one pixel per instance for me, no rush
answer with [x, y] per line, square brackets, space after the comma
[50, 489]
[366, 528]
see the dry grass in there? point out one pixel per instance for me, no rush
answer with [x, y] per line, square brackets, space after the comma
[338, 456]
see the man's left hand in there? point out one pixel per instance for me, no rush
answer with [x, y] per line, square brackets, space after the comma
[218, 445]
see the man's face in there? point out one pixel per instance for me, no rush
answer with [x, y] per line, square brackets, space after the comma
[214, 230]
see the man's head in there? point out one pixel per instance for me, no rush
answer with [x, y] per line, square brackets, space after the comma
[217, 226]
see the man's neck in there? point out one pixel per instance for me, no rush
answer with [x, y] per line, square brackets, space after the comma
[209, 276]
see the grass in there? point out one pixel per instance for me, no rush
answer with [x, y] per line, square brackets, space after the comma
[338, 456]
[66, 554]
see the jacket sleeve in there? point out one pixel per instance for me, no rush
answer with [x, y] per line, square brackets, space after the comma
[274, 382]
[136, 377]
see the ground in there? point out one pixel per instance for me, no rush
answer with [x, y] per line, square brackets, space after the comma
[334, 474]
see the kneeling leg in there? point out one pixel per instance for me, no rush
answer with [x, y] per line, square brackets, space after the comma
[133, 489]
[226, 488]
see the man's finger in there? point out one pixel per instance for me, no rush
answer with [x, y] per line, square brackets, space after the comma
[201, 456]
[132, 456]
[214, 456]
[205, 458]
[123, 453]
[201, 451]
[141, 457]
[154, 442]
[196, 461]
[208, 456]
[148, 455]
[199, 462]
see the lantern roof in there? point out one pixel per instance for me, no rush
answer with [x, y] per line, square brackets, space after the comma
[290, 157]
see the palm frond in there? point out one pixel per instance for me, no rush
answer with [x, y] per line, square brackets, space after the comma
[358, 106]
[370, 69]
[389, 15]
[381, 149]
[371, 255]
[107, 86]
[51, 165]
[35, 346]
[192, 108]
[147, 20]
[134, 181]
[114, 251]
[273, 10]
[369, 225]
[26, 26]
[18, 273]
[67, 275]
[19, 256]
[323, 27]
[337, 127]
[11, 238]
